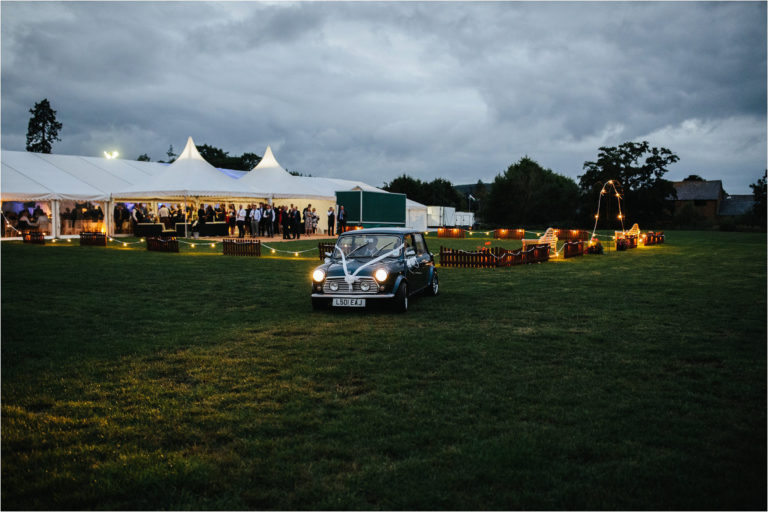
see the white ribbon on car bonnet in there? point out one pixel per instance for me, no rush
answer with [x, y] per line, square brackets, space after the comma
[351, 278]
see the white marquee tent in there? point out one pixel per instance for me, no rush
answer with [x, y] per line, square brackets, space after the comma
[53, 178]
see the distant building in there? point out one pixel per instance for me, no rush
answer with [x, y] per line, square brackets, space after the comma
[737, 205]
[709, 200]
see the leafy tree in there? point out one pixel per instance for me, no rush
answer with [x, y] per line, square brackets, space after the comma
[411, 187]
[170, 154]
[442, 193]
[143, 158]
[759, 192]
[694, 177]
[220, 158]
[249, 160]
[529, 195]
[639, 170]
[43, 129]
[438, 192]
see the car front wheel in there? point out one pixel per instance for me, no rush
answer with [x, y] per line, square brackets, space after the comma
[401, 298]
[433, 286]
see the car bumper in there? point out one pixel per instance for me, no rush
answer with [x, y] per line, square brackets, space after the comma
[353, 296]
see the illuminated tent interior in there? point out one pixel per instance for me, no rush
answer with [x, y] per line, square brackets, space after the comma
[58, 183]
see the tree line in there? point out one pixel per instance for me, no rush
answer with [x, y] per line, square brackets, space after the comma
[526, 194]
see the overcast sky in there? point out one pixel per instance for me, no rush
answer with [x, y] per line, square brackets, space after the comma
[369, 90]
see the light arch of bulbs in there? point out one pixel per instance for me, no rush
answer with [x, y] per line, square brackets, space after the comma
[608, 184]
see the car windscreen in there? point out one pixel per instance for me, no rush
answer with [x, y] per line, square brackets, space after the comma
[367, 246]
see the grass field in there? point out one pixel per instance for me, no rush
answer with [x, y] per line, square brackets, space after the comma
[137, 380]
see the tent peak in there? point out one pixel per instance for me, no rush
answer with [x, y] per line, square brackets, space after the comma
[190, 152]
[268, 160]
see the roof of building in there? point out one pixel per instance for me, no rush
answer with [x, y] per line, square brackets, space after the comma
[737, 204]
[698, 190]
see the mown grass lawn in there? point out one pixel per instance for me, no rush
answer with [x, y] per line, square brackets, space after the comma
[137, 380]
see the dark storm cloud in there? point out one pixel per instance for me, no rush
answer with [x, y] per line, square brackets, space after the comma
[372, 90]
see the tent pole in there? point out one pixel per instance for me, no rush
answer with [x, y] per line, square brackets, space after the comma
[186, 220]
[55, 219]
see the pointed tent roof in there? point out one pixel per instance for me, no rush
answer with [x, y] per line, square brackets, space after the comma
[269, 175]
[191, 176]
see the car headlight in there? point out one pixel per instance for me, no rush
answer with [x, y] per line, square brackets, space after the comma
[334, 286]
[381, 275]
[318, 275]
[365, 286]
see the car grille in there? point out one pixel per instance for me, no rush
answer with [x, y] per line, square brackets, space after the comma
[344, 287]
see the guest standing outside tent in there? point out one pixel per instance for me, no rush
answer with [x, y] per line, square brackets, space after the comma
[254, 221]
[241, 222]
[331, 221]
[342, 220]
[267, 219]
[285, 214]
[297, 227]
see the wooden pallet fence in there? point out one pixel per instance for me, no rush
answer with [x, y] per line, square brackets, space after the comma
[93, 238]
[653, 238]
[241, 247]
[162, 244]
[574, 248]
[323, 248]
[536, 253]
[508, 234]
[450, 233]
[33, 237]
[573, 234]
[458, 258]
[493, 257]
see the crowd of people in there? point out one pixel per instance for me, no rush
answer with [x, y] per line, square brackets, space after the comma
[252, 220]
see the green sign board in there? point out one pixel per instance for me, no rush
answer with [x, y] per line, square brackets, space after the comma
[372, 209]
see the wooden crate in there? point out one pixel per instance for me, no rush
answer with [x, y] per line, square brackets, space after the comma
[451, 233]
[509, 234]
[241, 247]
[93, 238]
[33, 237]
[574, 248]
[162, 244]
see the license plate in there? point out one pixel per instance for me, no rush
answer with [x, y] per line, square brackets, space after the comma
[349, 303]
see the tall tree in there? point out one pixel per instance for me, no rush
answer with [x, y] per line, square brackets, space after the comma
[411, 187]
[249, 161]
[43, 129]
[759, 193]
[529, 195]
[639, 170]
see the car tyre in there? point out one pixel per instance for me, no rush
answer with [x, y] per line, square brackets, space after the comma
[434, 286]
[401, 298]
